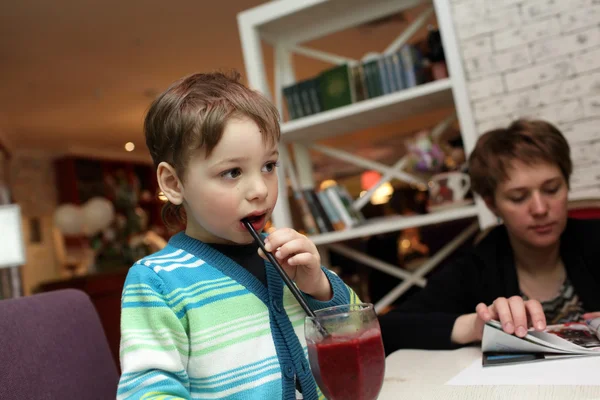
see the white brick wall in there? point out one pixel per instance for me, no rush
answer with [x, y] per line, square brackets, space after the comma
[540, 59]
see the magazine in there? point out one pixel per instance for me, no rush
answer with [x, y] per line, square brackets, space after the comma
[573, 339]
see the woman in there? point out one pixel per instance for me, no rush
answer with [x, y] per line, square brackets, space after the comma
[538, 268]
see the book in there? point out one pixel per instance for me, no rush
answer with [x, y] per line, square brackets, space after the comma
[412, 63]
[336, 88]
[317, 211]
[310, 225]
[573, 339]
[348, 201]
[340, 208]
[372, 77]
[359, 81]
[331, 211]
[293, 101]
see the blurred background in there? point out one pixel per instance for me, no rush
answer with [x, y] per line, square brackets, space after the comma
[77, 80]
[78, 77]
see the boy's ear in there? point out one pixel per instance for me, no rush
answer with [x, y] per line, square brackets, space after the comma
[169, 183]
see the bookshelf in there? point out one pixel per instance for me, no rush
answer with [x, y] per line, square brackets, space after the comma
[379, 110]
[286, 25]
[380, 225]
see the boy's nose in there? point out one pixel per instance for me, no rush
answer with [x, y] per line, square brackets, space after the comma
[257, 190]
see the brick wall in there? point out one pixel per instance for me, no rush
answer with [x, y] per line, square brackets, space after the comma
[540, 59]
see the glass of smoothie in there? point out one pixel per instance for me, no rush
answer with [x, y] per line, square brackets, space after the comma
[348, 361]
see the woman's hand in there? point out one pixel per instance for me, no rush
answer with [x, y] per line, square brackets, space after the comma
[515, 315]
[300, 259]
[591, 315]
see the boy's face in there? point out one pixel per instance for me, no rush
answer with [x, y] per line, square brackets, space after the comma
[238, 180]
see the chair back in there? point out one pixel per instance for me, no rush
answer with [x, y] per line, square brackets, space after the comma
[584, 209]
[52, 346]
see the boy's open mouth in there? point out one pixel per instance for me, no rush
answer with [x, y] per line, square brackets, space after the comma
[258, 221]
[255, 217]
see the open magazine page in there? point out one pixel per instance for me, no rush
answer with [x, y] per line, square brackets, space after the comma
[495, 340]
[557, 341]
[577, 333]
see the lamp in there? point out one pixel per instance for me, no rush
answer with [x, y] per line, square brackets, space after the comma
[382, 194]
[12, 246]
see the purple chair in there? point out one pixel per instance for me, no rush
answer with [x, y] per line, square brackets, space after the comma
[52, 346]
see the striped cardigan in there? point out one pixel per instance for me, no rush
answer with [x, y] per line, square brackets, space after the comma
[196, 325]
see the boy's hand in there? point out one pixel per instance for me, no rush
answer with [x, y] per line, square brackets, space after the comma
[300, 259]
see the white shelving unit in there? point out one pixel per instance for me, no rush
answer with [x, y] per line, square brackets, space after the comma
[371, 112]
[287, 24]
[380, 225]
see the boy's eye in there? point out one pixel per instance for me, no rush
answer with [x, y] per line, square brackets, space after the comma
[232, 173]
[270, 166]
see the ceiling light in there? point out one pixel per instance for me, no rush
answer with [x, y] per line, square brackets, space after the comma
[129, 146]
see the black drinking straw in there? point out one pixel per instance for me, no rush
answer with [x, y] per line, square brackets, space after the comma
[284, 276]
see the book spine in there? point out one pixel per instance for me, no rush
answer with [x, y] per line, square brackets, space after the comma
[398, 71]
[331, 212]
[336, 201]
[322, 211]
[373, 80]
[358, 80]
[347, 199]
[290, 102]
[354, 95]
[297, 101]
[314, 210]
[305, 98]
[408, 62]
[386, 84]
[377, 78]
[313, 91]
[307, 218]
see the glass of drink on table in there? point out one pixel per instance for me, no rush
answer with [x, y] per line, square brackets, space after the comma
[348, 363]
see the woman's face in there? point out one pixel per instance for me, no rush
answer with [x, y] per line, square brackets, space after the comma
[533, 203]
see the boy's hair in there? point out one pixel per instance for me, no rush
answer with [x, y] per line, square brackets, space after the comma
[529, 141]
[191, 115]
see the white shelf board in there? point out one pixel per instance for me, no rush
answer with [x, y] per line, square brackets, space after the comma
[372, 112]
[389, 224]
[297, 21]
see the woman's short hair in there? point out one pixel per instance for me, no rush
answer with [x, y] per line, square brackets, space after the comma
[529, 141]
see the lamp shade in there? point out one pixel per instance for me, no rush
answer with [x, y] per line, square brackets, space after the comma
[12, 246]
[368, 179]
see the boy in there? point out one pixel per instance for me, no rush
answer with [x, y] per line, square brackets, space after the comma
[207, 317]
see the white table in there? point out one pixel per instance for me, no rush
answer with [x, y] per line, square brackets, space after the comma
[421, 374]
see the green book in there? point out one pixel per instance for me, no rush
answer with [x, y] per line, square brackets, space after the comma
[336, 88]
[290, 101]
[373, 78]
[303, 91]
